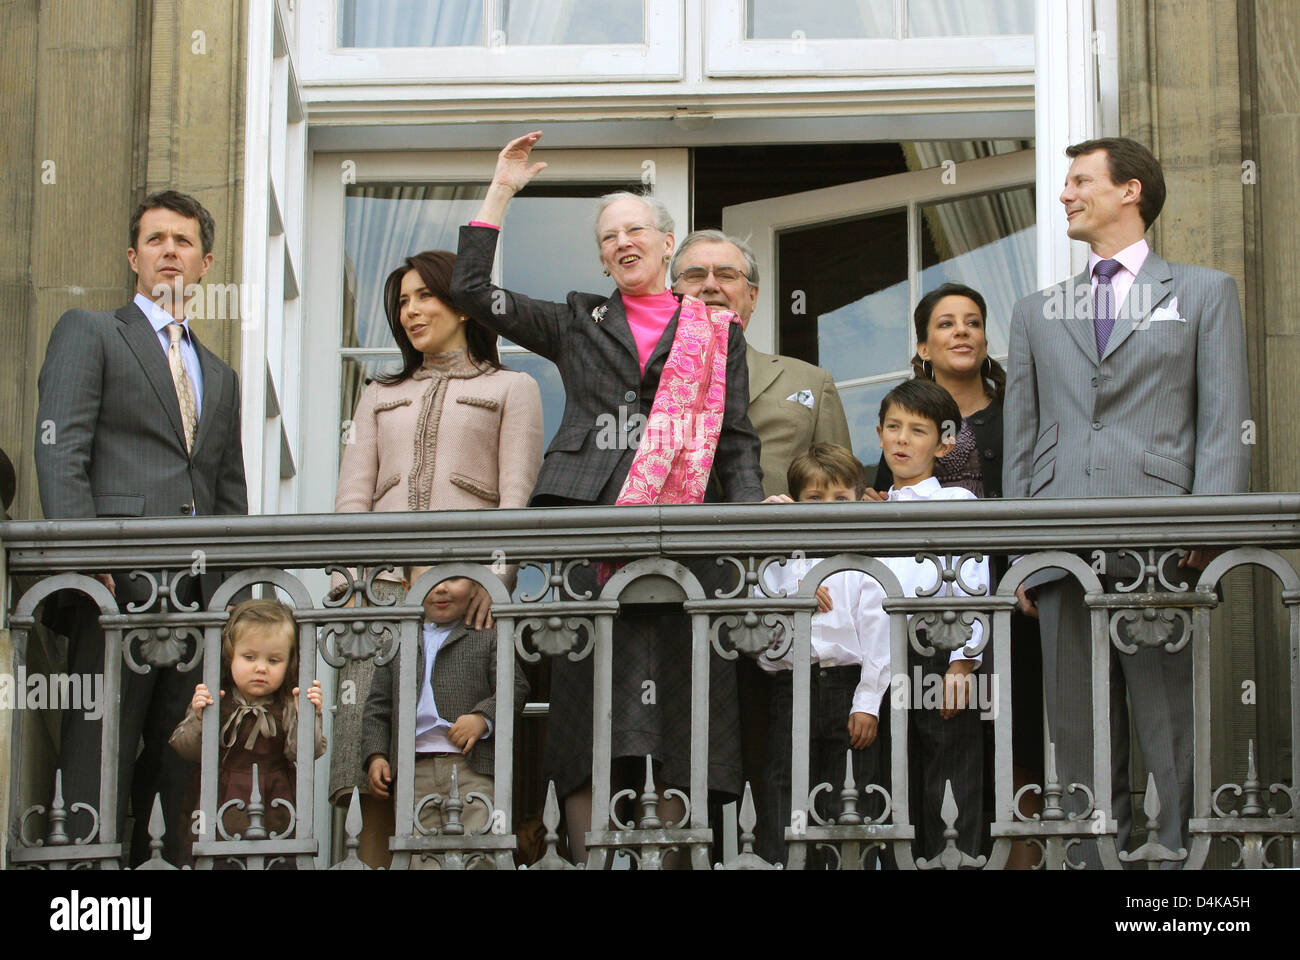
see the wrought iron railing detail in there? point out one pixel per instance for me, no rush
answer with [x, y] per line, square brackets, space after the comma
[592, 563]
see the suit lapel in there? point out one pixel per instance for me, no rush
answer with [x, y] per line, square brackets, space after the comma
[211, 390]
[1078, 314]
[143, 340]
[763, 371]
[1152, 285]
[615, 324]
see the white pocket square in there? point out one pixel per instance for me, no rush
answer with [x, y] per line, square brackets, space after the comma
[1167, 313]
[802, 396]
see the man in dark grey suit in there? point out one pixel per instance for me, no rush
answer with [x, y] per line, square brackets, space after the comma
[136, 419]
[1127, 380]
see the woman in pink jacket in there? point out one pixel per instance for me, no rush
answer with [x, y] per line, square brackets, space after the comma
[452, 430]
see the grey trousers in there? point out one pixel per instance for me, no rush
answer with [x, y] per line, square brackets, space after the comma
[1159, 694]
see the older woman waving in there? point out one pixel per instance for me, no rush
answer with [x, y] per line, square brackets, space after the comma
[638, 351]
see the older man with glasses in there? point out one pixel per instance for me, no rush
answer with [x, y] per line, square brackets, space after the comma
[792, 405]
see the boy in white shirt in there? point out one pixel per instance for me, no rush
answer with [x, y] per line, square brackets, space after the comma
[850, 672]
[919, 421]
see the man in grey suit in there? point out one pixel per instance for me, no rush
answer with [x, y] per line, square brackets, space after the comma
[1127, 380]
[136, 419]
[792, 405]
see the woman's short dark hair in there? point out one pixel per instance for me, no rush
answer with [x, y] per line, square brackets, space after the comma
[927, 399]
[992, 376]
[434, 268]
[1127, 160]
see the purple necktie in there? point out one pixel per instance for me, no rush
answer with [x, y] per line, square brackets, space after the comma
[1103, 302]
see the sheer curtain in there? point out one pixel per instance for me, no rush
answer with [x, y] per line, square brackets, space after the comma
[823, 20]
[985, 241]
[411, 23]
[969, 18]
[548, 22]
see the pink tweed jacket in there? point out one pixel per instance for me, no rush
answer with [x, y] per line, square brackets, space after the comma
[483, 450]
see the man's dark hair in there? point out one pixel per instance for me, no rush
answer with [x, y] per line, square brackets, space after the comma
[183, 204]
[1129, 160]
[927, 399]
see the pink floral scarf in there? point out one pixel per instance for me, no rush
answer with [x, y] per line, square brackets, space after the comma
[675, 455]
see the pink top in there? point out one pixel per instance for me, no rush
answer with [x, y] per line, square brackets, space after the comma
[648, 316]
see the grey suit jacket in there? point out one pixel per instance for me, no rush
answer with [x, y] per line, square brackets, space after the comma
[109, 438]
[788, 427]
[1161, 413]
[464, 681]
[603, 384]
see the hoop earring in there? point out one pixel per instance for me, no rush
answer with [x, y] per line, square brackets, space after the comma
[986, 368]
[928, 369]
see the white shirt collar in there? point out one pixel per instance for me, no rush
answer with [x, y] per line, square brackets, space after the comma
[157, 316]
[1130, 258]
[924, 490]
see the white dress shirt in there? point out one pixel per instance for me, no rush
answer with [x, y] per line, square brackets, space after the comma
[159, 318]
[915, 576]
[1130, 260]
[854, 632]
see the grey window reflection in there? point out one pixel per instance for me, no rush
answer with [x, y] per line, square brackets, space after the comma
[969, 18]
[823, 20]
[844, 295]
[574, 21]
[985, 242]
[548, 250]
[411, 23]
[862, 409]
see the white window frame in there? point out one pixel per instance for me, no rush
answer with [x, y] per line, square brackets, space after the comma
[760, 222]
[494, 61]
[728, 53]
[322, 347]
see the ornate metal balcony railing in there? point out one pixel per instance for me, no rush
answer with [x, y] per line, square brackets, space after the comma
[656, 547]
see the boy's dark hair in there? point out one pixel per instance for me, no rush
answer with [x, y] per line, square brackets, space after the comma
[181, 203]
[1129, 160]
[434, 268]
[829, 463]
[927, 399]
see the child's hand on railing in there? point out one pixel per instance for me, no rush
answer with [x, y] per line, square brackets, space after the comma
[202, 699]
[313, 694]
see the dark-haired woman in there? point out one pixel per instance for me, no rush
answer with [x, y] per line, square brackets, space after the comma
[452, 430]
[952, 350]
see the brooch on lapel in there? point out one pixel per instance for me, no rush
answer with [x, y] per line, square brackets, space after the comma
[599, 313]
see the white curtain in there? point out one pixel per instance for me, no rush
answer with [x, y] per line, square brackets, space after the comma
[551, 22]
[822, 20]
[386, 224]
[411, 23]
[969, 18]
[987, 241]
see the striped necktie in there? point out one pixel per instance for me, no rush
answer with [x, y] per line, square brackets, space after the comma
[184, 391]
[1103, 302]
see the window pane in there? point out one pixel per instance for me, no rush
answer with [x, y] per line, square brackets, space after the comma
[548, 249]
[985, 242]
[969, 18]
[410, 23]
[844, 295]
[862, 408]
[823, 20]
[574, 21]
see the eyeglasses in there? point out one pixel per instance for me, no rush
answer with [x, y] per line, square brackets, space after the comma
[721, 274]
[633, 232]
